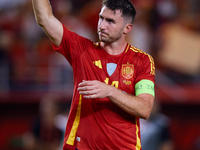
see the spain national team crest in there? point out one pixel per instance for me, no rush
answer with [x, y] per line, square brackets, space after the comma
[127, 71]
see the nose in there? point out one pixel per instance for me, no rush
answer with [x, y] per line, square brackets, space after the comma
[101, 24]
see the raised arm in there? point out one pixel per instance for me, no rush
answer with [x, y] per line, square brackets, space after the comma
[45, 18]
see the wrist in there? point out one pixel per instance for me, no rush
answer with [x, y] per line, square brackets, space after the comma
[111, 91]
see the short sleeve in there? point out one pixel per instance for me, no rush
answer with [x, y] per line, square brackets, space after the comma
[146, 69]
[72, 45]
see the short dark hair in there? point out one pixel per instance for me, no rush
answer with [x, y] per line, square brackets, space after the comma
[125, 6]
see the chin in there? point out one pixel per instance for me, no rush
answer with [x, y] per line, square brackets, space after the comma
[104, 40]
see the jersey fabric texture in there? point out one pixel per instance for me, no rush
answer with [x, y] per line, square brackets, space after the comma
[99, 124]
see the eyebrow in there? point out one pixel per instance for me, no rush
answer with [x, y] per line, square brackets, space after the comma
[107, 19]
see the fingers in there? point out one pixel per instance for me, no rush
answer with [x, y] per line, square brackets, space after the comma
[92, 89]
[87, 92]
[86, 88]
[85, 85]
[90, 96]
[89, 89]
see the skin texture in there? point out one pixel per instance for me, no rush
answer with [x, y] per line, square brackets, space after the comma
[112, 29]
[110, 25]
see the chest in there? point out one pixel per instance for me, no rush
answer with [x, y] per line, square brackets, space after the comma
[119, 71]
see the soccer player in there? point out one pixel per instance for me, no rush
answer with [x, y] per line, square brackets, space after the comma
[113, 81]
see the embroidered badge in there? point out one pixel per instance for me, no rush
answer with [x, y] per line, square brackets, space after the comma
[127, 71]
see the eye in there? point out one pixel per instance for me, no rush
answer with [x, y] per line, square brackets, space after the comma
[110, 21]
[100, 18]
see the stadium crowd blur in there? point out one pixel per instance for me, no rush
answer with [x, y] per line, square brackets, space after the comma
[169, 30]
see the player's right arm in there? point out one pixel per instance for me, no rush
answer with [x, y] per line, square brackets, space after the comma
[45, 18]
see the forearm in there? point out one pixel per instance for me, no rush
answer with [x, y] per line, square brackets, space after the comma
[139, 106]
[42, 10]
[45, 18]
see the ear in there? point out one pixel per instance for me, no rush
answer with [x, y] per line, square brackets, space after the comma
[127, 28]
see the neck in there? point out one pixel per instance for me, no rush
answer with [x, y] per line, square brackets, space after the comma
[114, 48]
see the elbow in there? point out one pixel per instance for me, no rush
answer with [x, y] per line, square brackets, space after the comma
[142, 115]
[146, 115]
[43, 20]
[145, 111]
[40, 22]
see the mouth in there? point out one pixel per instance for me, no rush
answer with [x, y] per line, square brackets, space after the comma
[103, 33]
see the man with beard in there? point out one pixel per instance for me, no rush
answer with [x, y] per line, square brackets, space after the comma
[113, 81]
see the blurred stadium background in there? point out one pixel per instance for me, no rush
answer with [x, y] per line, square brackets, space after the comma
[169, 30]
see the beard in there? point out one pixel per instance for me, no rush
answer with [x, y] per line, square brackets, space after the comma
[104, 39]
[108, 38]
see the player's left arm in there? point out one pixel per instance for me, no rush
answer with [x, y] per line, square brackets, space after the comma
[139, 106]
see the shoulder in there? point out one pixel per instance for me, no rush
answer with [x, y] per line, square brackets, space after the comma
[75, 38]
[138, 53]
[141, 58]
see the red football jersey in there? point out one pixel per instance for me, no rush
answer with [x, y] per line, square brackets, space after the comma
[99, 123]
